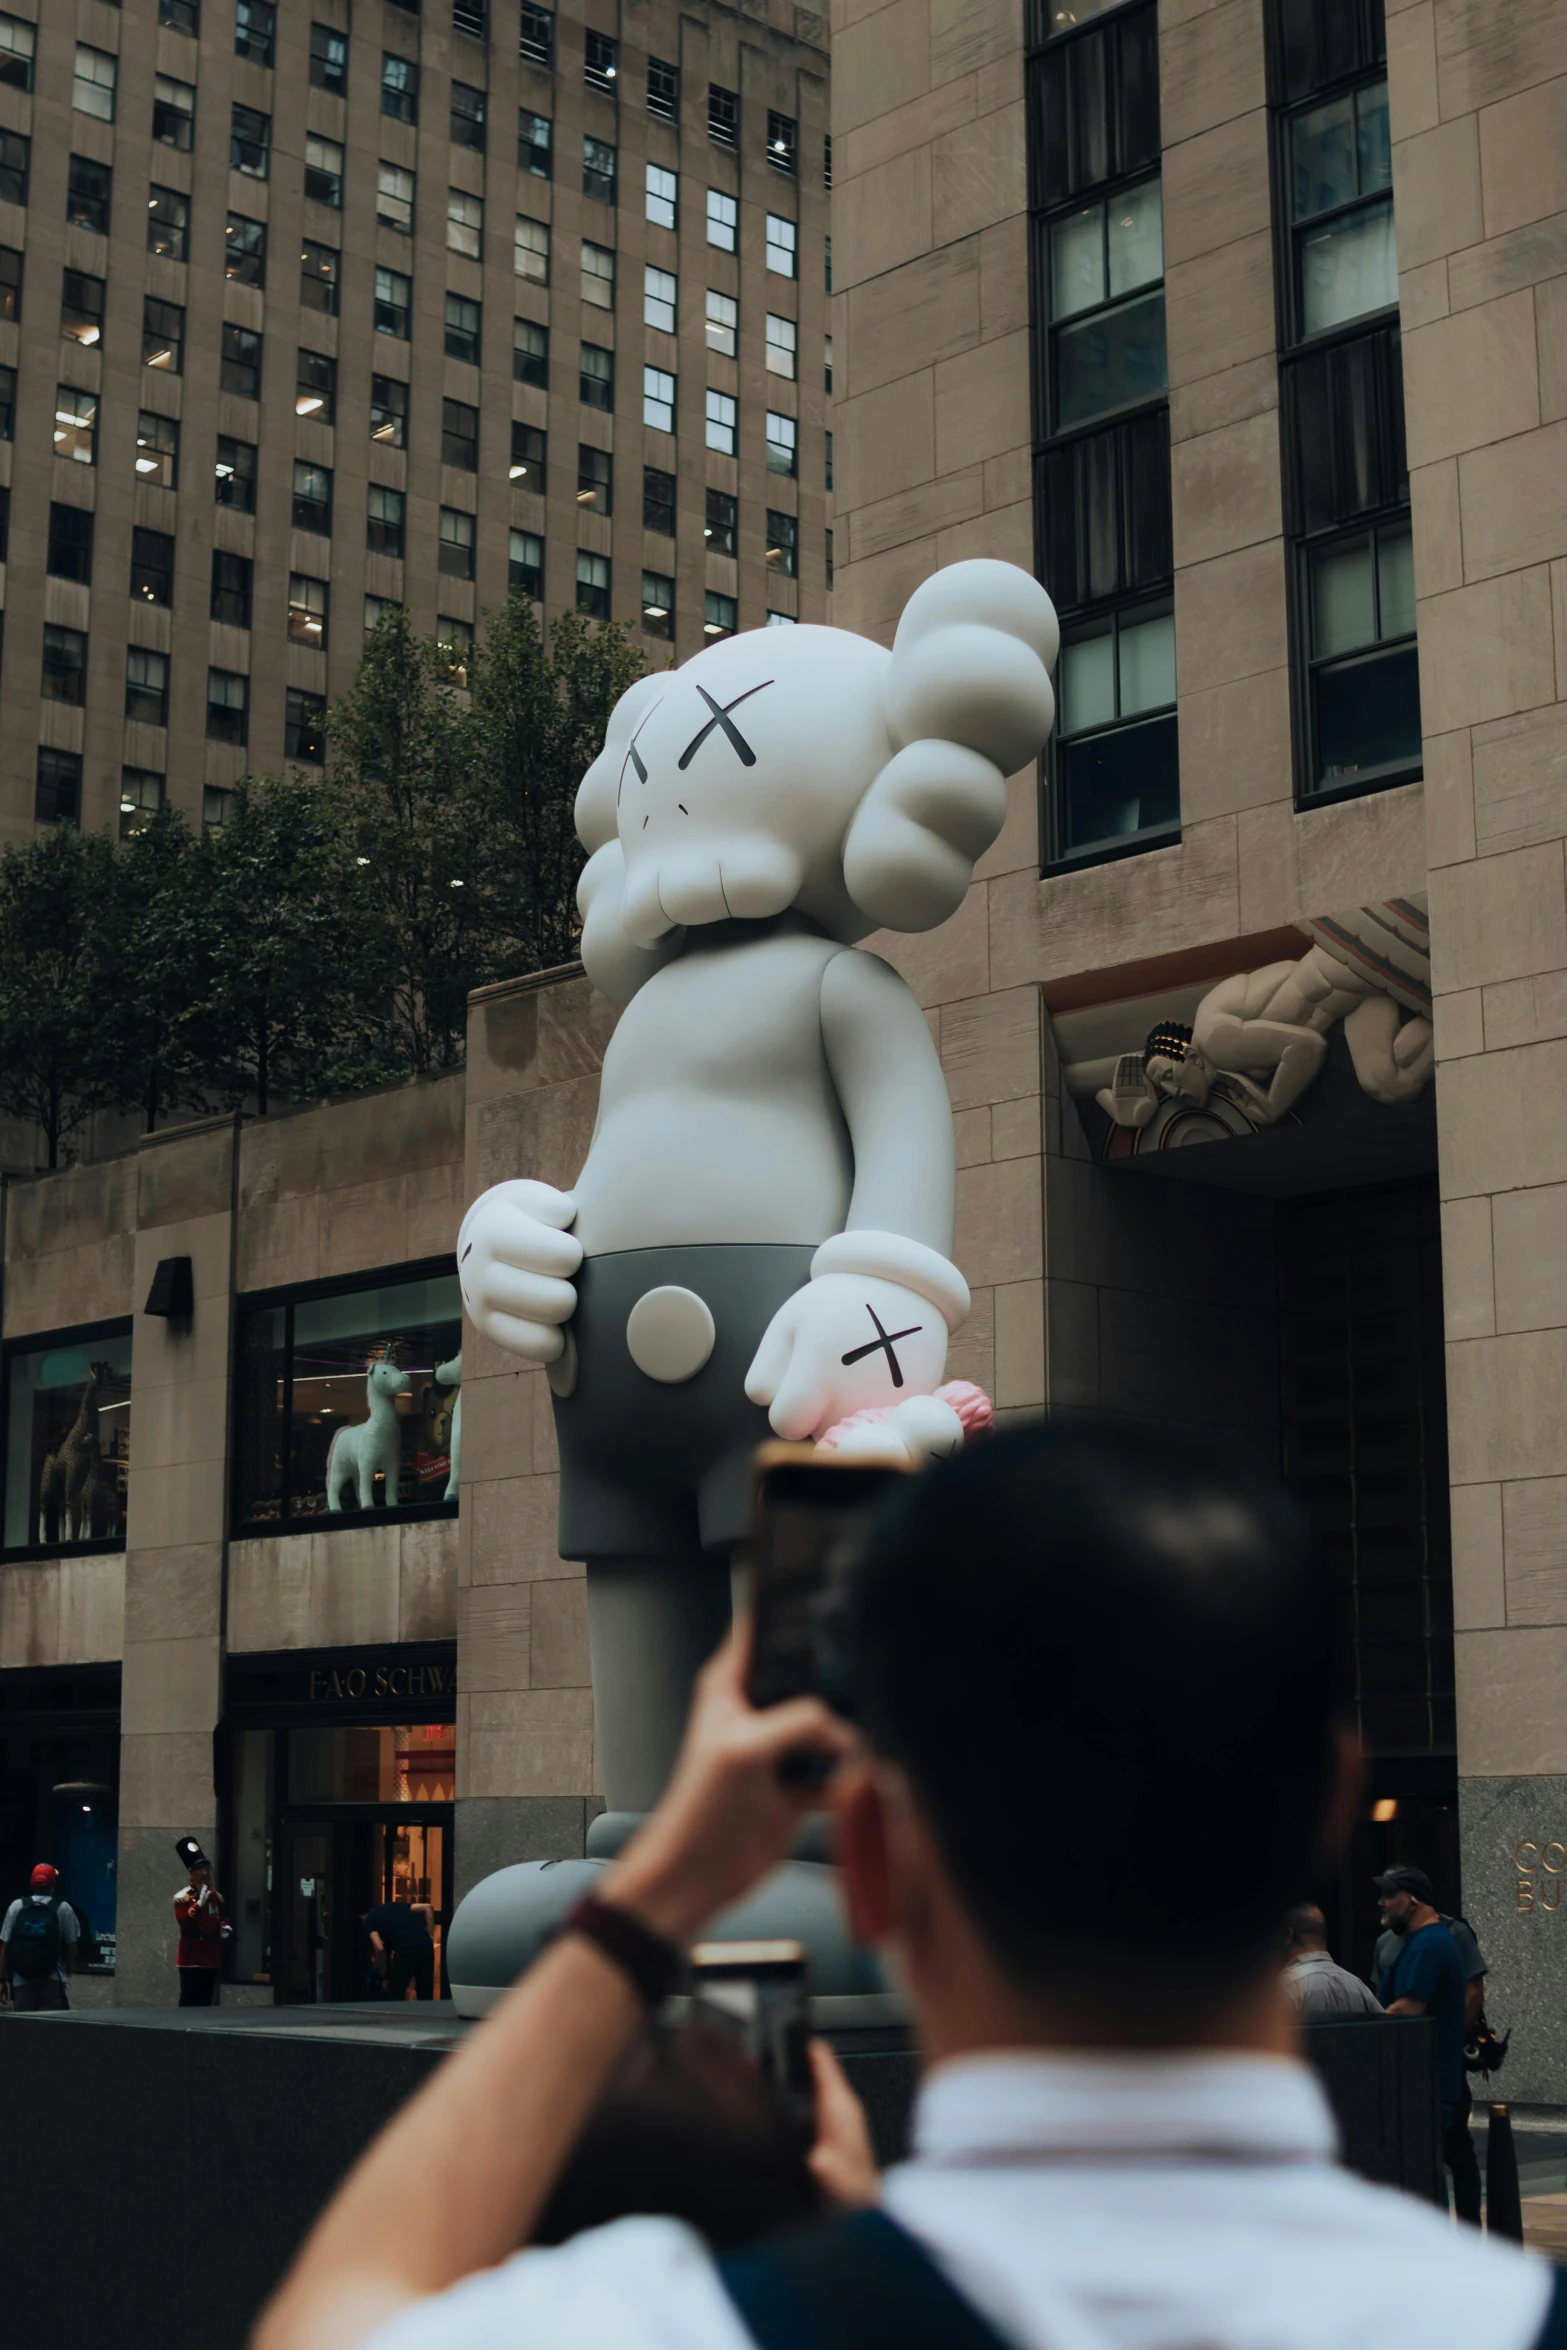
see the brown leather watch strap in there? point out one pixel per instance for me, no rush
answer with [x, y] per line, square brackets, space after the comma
[654, 1967]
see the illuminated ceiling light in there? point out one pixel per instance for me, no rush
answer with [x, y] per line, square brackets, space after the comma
[307, 403]
[144, 464]
[1385, 1809]
[517, 472]
[655, 611]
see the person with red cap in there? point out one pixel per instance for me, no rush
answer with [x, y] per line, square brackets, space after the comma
[37, 1939]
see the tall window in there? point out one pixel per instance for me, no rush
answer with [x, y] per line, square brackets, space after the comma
[320, 277]
[534, 151]
[658, 399]
[663, 90]
[467, 117]
[250, 142]
[255, 30]
[1346, 473]
[1101, 429]
[389, 411]
[598, 276]
[663, 196]
[595, 479]
[399, 88]
[324, 172]
[87, 192]
[660, 294]
[530, 353]
[79, 1382]
[245, 251]
[173, 112]
[525, 565]
[593, 585]
[598, 170]
[394, 197]
[462, 329]
[723, 116]
[97, 74]
[536, 35]
[601, 62]
[596, 377]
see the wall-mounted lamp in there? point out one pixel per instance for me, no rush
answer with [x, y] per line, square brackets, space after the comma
[172, 1294]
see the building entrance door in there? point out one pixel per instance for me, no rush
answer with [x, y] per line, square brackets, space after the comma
[342, 1861]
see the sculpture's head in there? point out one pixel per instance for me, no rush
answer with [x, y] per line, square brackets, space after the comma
[1177, 1068]
[385, 1378]
[810, 768]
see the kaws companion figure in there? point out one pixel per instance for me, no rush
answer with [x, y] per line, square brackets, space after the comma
[761, 1235]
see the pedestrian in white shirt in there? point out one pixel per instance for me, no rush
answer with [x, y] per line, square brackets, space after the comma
[1058, 1641]
[1323, 1991]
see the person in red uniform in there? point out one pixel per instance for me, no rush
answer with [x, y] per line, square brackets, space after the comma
[198, 1912]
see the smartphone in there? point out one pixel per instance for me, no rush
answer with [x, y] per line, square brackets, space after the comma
[812, 1516]
[761, 1993]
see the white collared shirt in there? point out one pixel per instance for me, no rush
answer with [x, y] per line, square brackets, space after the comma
[1081, 2203]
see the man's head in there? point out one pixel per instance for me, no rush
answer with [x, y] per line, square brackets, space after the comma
[1103, 1663]
[1305, 1929]
[45, 1877]
[1402, 1894]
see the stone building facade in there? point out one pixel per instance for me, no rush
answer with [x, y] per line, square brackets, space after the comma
[356, 304]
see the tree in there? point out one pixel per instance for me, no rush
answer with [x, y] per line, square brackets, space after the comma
[57, 1006]
[539, 707]
[151, 942]
[413, 827]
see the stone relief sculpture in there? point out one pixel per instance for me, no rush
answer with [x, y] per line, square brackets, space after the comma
[760, 1239]
[1262, 1036]
[372, 1447]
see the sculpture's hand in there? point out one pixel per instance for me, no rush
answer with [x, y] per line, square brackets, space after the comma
[845, 1343]
[1131, 1098]
[515, 1257]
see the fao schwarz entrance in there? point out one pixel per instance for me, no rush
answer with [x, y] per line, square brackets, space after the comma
[341, 1777]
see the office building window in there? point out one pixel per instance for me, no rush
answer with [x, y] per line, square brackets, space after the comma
[1363, 682]
[783, 140]
[663, 90]
[158, 450]
[304, 728]
[163, 335]
[460, 435]
[782, 443]
[174, 113]
[320, 276]
[245, 251]
[141, 796]
[239, 367]
[464, 223]
[168, 223]
[722, 528]
[661, 202]
[595, 479]
[723, 219]
[658, 501]
[720, 617]
[530, 353]
[723, 116]
[660, 293]
[468, 16]
[313, 497]
[533, 250]
[723, 414]
[87, 192]
[385, 512]
[658, 604]
[527, 457]
[598, 170]
[1106, 271]
[466, 127]
[231, 588]
[394, 198]
[827, 164]
[455, 638]
[782, 346]
[1339, 178]
[525, 568]
[7, 403]
[152, 566]
[723, 324]
[783, 542]
[596, 377]
[17, 44]
[828, 536]
[70, 542]
[146, 687]
[780, 620]
[234, 475]
[534, 148]
[181, 16]
[600, 62]
[1116, 734]
[827, 365]
[57, 799]
[593, 585]
[255, 30]
[536, 34]
[76, 425]
[324, 172]
[393, 311]
[96, 79]
[315, 387]
[399, 88]
[228, 707]
[658, 399]
[329, 59]
[214, 806]
[65, 666]
[598, 276]
[81, 308]
[250, 142]
[782, 246]
[462, 329]
[389, 411]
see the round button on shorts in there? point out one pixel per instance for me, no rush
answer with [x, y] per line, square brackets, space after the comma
[670, 1334]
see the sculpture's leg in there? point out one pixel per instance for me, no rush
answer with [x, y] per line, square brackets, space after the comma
[652, 1625]
[1393, 1057]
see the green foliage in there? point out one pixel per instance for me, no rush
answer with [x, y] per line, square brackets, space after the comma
[57, 898]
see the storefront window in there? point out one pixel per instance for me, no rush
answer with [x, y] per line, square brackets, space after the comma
[386, 1764]
[68, 1441]
[59, 1793]
[342, 1411]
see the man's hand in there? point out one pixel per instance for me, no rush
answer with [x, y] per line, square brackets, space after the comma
[842, 2159]
[515, 1258]
[727, 1818]
[846, 1342]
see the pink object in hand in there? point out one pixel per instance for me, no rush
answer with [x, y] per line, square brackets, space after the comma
[972, 1405]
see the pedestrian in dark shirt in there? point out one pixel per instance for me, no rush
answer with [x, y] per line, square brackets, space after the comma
[404, 1941]
[1427, 1978]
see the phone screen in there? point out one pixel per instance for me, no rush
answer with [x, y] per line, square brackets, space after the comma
[812, 1518]
[761, 1992]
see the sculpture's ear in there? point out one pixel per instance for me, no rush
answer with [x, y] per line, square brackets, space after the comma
[968, 700]
[600, 787]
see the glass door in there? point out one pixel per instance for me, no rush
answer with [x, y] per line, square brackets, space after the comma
[309, 1910]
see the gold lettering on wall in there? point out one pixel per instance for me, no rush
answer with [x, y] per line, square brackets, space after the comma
[1525, 1893]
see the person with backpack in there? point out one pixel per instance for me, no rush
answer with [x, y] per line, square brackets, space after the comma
[1100, 1742]
[38, 1940]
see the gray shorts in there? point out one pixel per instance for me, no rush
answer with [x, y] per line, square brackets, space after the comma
[650, 1470]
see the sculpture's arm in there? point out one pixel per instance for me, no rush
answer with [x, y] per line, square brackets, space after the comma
[894, 1100]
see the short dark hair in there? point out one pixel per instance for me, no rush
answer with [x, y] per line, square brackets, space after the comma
[1107, 1658]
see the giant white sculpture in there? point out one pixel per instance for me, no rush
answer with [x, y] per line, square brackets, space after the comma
[761, 1233]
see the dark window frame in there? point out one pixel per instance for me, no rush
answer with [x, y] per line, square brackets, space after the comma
[601, 62]
[460, 432]
[241, 739]
[389, 410]
[329, 59]
[320, 287]
[531, 367]
[529, 452]
[78, 1334]
[232, 595]
[235, 489]
[536, 35]
[70, 538]
[242, 349]
[1108, 848]
[146, 704]
[68, 766]
[463, 342]
[589, 479]
[255, 31]
[467, 124]
[250, 251]
[657, 505]
[304, 509]
[87, 205]
[152, 565]
[250, 146]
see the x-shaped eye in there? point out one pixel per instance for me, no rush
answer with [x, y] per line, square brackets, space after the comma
[633, 758]
[722, 718]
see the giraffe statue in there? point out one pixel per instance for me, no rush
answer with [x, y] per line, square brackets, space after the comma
[68, 1482]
